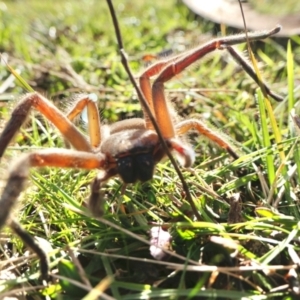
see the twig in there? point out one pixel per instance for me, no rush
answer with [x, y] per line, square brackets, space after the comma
[148, 110]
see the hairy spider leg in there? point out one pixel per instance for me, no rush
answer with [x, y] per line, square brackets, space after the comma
[202, 128]
[184, 61]
[18, 175]
[59, 158]
[52, 113]
[94, 124]
[168, 68]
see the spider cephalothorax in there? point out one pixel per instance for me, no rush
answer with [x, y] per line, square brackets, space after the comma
[129, 148]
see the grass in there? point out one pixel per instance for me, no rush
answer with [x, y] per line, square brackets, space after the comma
[249, 207]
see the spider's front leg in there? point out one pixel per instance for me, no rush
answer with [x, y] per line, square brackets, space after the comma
[169, 68]
[18, 174]
[59, 158]
[52, 113]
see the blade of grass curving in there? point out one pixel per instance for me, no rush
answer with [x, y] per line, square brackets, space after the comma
[286, 179]
[278, 140]
[268, 257]
[266, 136]
[19, 78]
[267, 104]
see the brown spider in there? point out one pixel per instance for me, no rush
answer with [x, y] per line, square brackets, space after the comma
[128, 148]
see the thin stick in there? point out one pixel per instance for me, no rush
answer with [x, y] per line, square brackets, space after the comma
[148, 110]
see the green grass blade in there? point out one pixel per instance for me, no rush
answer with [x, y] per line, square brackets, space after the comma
[290, 74]
[266, 137]
[20, 79]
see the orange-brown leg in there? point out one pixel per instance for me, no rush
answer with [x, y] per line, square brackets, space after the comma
[128, 124]
[94, 126]
[169, 68]
[18, 174]
[52, 113]
[184, 126]
[185, 61]
[145, 85]
[146, 88]
[59, 158]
